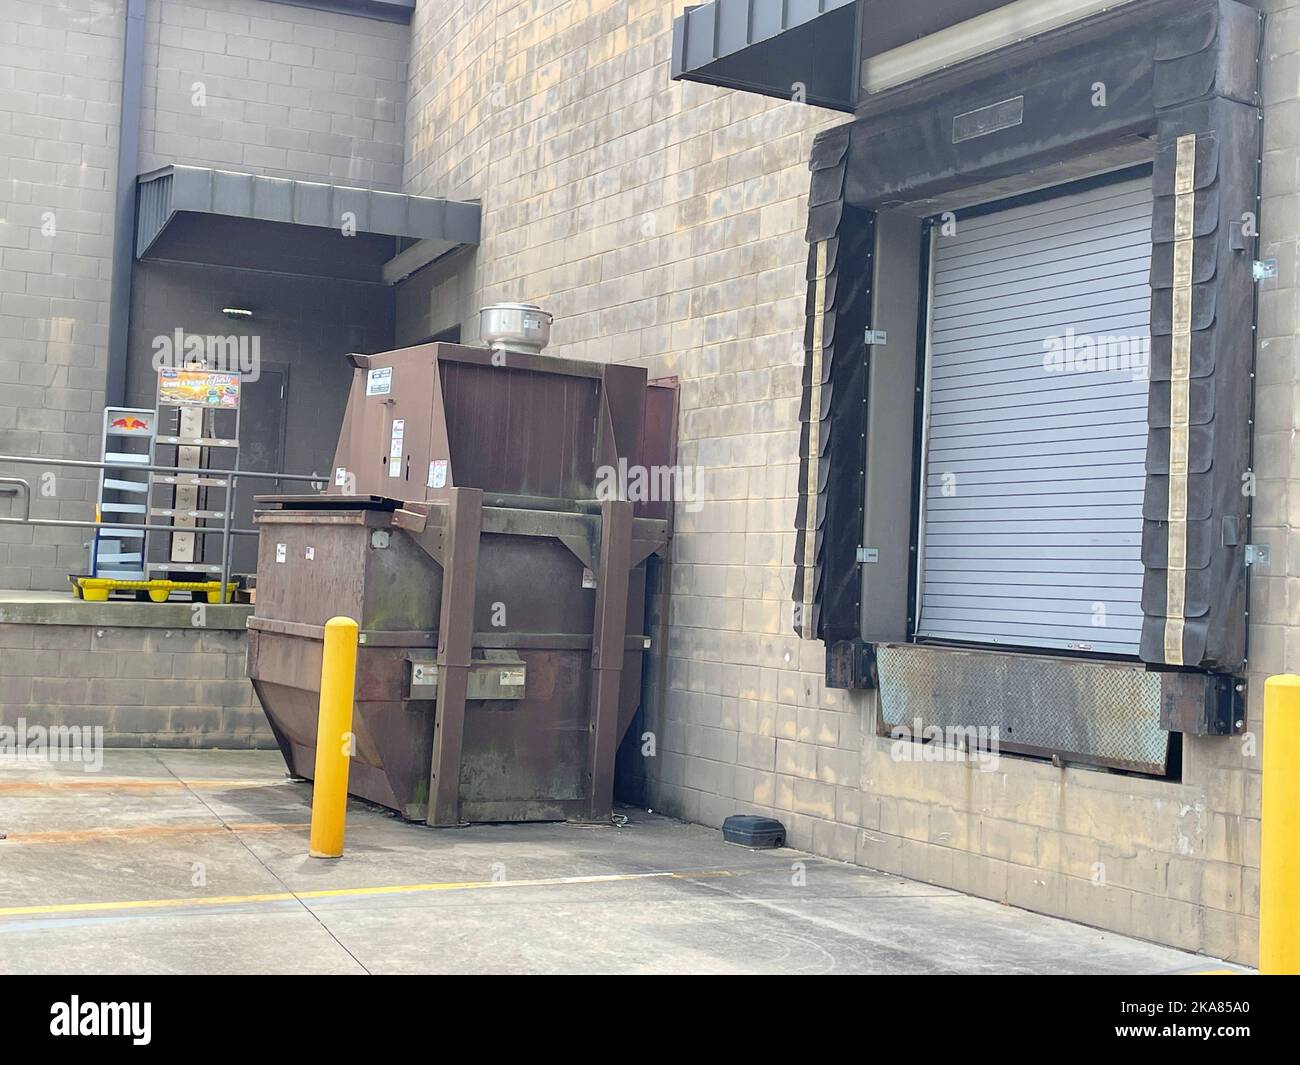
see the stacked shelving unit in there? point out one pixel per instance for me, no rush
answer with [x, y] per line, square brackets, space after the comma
[127, 442]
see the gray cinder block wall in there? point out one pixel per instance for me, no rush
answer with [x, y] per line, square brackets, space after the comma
[60, 93]
[273, 89]
[662, 223]
[149, 675]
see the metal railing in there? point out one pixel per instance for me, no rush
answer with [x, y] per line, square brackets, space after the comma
[184, 476]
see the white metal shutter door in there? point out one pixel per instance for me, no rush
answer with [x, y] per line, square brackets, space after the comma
[1032, 520]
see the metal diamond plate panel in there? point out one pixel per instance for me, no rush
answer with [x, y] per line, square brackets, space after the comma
[1084, 711]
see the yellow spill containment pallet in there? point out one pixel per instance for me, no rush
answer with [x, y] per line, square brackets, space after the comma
[98, 589]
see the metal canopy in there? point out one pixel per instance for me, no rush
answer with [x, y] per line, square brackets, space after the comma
[773, 47]
[380, 10]
[222, 218]
[792, 49]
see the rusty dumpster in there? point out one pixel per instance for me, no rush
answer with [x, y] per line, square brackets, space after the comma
[498, 584]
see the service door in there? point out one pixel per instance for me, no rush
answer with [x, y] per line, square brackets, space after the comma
[261, 449]
[1035, 429]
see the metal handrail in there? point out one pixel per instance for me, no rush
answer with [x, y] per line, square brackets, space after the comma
[39, 460]
[20, 487]
[226, 531]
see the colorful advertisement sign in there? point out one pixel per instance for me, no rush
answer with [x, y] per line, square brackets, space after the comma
[198, 388]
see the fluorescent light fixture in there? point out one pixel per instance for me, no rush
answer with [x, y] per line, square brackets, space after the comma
[975, 37]
[236, 312]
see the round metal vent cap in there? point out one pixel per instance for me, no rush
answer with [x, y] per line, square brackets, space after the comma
[515, 326]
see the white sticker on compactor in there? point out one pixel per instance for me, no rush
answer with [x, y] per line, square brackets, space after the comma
[396, 447]
[379, 381]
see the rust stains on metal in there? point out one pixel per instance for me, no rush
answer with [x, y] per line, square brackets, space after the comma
[477, 536]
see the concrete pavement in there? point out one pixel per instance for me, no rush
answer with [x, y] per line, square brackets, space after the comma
[173, 861]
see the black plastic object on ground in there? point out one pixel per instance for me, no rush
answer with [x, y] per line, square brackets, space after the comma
[750, 830]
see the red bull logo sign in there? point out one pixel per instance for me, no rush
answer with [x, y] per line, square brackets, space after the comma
[129, 423]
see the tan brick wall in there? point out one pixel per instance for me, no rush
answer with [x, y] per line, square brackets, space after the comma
[662, 224]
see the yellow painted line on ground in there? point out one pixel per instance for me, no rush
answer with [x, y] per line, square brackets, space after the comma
[94, 835]
[89, 783]
[336, 893]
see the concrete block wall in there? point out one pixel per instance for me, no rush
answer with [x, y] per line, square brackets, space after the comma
[274, 89]
[609, 190]
[1275, 603]
[60, 93]
[439, 297]
[662, 223]
[455, 86]
[145, 687]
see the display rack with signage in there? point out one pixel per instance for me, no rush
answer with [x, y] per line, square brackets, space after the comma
[203, 406]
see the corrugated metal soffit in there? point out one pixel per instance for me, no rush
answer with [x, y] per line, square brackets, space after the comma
[804, 50]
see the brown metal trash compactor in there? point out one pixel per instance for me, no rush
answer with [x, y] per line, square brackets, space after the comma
[500, 595]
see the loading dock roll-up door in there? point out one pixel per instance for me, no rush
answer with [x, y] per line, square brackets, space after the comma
[1036, 427]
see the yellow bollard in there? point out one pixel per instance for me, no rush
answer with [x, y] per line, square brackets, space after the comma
[1279, 865]
[329, 797]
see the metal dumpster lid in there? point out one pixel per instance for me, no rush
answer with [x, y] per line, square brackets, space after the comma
[324, 502]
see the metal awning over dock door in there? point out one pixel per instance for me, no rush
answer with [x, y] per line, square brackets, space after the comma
[222, 218]
[792, 49]
[805, 50]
